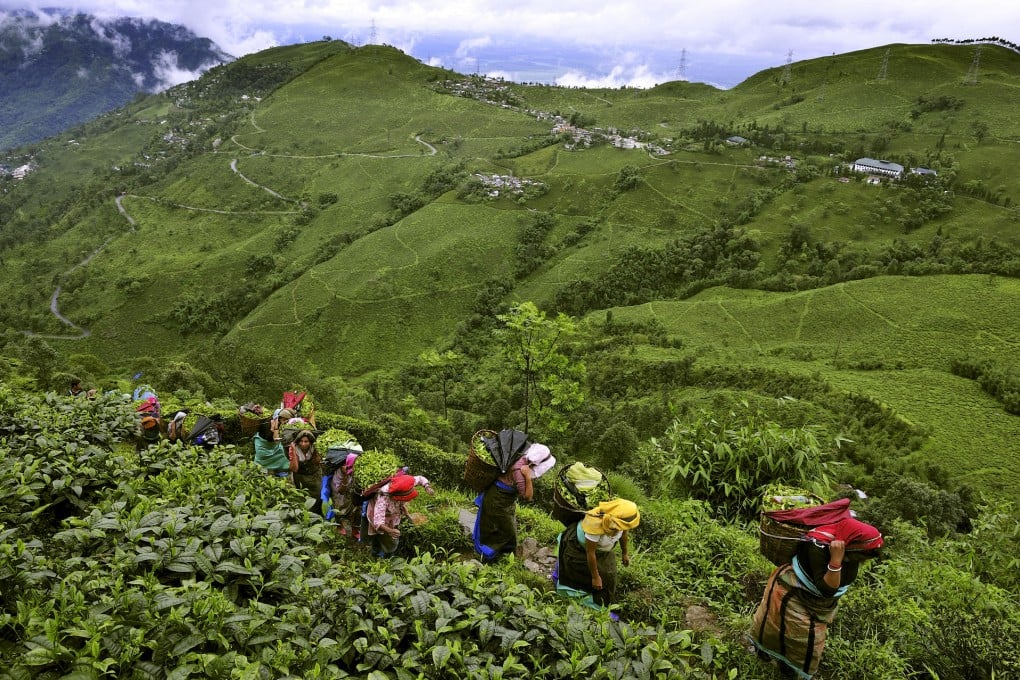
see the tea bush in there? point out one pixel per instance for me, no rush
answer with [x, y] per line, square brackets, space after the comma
[184, 562]
[727, 460]
[927, 613]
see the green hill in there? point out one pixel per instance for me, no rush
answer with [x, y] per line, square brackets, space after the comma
[321, 212]
[430, 254]
[893, 338]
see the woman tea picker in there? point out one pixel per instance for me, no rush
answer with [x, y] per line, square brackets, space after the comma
[800, 599]
[495, 531]
[387, 507]
[587, 561]
[269, 452]
[306, 465]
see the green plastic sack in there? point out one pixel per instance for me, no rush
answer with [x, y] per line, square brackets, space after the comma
[270, 456]
[583, 477]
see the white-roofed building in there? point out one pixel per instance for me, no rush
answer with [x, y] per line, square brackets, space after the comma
[872, 166]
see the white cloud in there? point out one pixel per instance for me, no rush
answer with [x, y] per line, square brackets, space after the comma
[120, 42]
[640, 76]
[467, 47]
[26, 43]
[742, 32]
[169, 73]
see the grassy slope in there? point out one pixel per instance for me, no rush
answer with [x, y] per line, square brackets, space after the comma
[914, 326]
[390, 294]
[347, 126]
[840, 93]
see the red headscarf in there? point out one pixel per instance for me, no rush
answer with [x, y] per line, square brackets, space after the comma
[856, 534]
[402, 488]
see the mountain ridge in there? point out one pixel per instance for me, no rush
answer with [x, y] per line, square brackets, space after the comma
[341, 202]
[59, 68]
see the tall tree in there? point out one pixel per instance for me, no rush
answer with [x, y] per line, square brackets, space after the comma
[550, 380]
[445, 368]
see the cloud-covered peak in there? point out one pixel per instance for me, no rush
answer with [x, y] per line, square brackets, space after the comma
[59, 68]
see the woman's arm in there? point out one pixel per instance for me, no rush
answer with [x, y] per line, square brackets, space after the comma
[833, 572]
[529, 487]
[593, 564]
[624, 546]
[421, 481]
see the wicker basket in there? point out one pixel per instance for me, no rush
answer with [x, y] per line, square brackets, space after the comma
[778, 541]
[249, 425]
[568, 509]
[478, 474]
[563, 510]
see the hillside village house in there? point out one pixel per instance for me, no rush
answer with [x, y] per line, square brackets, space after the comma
[21, 171]
[871, 166]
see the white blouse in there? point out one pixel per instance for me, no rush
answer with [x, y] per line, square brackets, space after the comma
[605, 542]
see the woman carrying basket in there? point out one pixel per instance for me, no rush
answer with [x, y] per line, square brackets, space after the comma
[387, 507]
[801, 598]
[306, 466]
[495, 530]
[269, 452]
[586, 566]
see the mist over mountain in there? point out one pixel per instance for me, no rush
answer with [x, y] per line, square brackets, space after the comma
[59, 68]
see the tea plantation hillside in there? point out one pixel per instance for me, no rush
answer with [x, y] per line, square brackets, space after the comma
[895, 339]
[387, 234]
[176, 561]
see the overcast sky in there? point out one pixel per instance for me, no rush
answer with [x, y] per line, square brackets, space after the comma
[581, 42]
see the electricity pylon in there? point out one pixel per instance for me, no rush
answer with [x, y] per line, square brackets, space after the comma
[972, 73]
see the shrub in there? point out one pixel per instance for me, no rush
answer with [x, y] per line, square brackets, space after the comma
[727, 461]
[941, 512]
[929, 613]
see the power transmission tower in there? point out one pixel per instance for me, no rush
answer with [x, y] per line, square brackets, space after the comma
[972, 73]
[371, 34]
[883, 70]
[681, 70]
[788, 69]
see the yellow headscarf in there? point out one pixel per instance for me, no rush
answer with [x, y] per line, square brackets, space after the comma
[611, 516]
